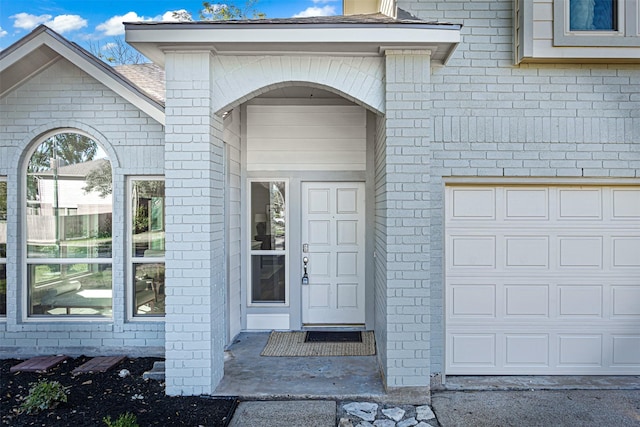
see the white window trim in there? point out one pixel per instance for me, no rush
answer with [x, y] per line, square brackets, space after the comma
[627, 34]
[26, 318]
[249, 252]
[130, 259]
[3, 261]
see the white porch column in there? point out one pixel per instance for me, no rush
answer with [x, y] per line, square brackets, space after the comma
[195, 291]
[404, 214]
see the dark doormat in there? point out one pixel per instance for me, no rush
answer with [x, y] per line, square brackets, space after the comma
[333, 336]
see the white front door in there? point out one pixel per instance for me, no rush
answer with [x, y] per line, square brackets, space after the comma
[333, 224]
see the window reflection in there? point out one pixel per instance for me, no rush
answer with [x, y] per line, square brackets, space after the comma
[81, 289]
[148, 246]
[69, 215]
[149, 288]
[268, 235]
[268, 278]
[268, 222]
[593, 15]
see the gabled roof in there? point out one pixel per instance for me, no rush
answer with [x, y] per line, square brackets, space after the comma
[358, 35]
[43, 46]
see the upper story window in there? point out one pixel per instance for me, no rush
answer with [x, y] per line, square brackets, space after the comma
[593, 15]
[595, 22]
[3, 247]
[69, 228]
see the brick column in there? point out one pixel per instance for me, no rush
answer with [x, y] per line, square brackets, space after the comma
[406, 205]
[195, 320]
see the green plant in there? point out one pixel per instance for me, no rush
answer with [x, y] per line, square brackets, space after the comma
[44, 395]
[124, 420]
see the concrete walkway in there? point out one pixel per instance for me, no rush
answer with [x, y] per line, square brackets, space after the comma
[618, 408]
[558, 408]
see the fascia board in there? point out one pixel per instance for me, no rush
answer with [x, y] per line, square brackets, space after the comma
[377, 35]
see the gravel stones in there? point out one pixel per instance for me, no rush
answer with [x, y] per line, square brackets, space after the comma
[366, 414]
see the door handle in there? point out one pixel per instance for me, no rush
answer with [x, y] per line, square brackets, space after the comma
[305, 276]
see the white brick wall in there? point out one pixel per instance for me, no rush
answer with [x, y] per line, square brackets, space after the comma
[195, 253]
[403, 219]
[63, 96]
[491, 118]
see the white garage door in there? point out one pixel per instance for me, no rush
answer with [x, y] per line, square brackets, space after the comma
[542, 280]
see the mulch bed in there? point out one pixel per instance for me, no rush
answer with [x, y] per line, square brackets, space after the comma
[94, 396]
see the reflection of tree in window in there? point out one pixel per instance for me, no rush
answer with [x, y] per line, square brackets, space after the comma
[69, 215]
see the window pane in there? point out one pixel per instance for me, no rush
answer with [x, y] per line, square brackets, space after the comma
[147, 203]
[3, 289]
[149, 289]
[69, 202]
[3, 219]
[593, 15]
[268, 222]
[69, 289]
[268, 278]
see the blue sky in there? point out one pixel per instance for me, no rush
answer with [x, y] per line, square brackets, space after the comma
[98, 21]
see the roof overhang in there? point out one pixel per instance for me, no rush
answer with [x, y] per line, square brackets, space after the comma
[43, 47]
[154, 39]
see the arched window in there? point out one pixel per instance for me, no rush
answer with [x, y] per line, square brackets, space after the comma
[68, 227]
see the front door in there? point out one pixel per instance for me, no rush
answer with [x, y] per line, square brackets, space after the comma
[333, 223]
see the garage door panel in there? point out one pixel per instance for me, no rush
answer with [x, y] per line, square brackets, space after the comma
[473, 251]
[526, 300]
[473, 350]
[529, 204]
[580, 301]
[545, 283]
[626, 204]
[625, 301]
[626, 251]
[525, 350]
[580, 204]
[626, 350]
[473, 300]
[580, 251]
[580, 350]
[472, 204]
[527, 251]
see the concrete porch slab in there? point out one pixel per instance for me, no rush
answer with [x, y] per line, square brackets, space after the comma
[253, 377]
[310, 413]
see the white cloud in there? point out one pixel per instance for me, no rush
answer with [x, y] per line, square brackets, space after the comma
[3, 32]
[114, 26]
[60, 23]
[26, 21]
[65, 23]
[316, 11]
[108, 46]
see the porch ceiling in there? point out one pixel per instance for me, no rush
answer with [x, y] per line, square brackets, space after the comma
[369, 38]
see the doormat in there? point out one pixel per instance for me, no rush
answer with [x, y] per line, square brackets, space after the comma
[292, 344]
[333, 336]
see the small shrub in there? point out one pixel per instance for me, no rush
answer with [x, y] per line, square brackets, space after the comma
[44, 395]
[124, 420]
